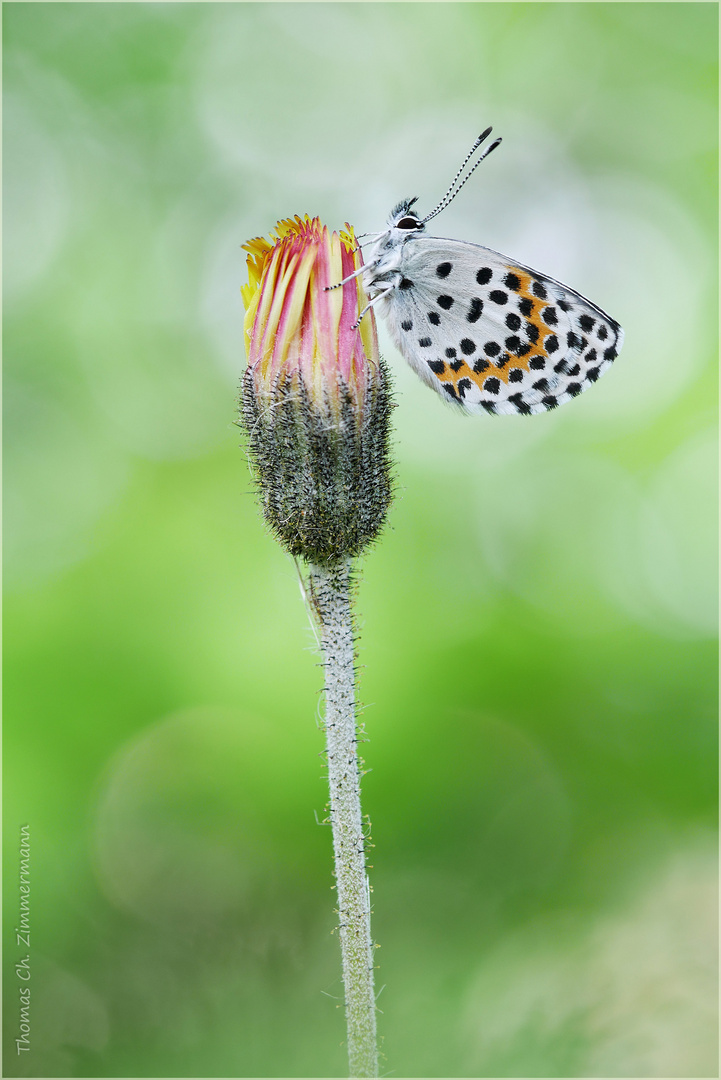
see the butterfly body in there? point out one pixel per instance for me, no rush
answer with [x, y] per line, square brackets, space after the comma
[486, 332]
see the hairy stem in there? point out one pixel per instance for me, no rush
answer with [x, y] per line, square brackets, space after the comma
[331, 602]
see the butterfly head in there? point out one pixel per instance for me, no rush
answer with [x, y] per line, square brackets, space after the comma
[405, 220]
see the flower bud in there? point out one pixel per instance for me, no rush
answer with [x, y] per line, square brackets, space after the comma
[316, 399]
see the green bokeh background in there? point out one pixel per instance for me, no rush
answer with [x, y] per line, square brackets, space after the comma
[538, 622]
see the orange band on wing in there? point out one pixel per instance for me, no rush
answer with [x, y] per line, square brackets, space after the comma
[500, 366]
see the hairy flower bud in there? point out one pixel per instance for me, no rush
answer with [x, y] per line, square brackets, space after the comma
[315, 398]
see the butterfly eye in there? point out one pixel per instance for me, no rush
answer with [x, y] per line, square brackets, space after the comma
[407, 223]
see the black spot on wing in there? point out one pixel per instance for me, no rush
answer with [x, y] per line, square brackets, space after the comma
[406, 324]
[444, 301]
[456, 365]
[513, 321]
[521, 405]
[484, 275]
[491, 348]
[512, 282]
[433, 317]
[437, 366]
[468, 347]
[443, 269]
[450, 352]
[498, 296]
[475, 310]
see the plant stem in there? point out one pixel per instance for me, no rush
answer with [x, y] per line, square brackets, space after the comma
[331, 603]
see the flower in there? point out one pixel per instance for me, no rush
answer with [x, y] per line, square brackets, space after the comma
[291, 322]
[316, 400]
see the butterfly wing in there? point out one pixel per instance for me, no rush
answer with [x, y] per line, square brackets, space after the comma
[491, 334]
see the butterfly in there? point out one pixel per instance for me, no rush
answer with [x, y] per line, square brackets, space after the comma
[486, 332]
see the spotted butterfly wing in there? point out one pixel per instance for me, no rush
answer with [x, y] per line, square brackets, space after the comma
[490, 334]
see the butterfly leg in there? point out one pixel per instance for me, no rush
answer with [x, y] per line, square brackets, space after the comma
[373, 237]
[387, 288]
[355, 274]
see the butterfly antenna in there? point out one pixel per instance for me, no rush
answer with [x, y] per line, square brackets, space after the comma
[455, 186]
[481, 138]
